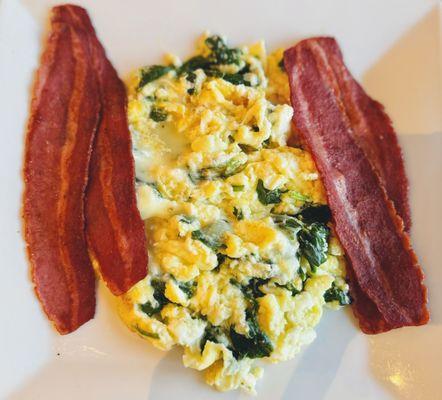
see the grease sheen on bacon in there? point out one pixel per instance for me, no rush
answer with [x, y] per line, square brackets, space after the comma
[115, 231]
[63, 119]
[385, 276]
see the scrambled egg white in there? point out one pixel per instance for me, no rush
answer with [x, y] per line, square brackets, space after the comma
[242, 253]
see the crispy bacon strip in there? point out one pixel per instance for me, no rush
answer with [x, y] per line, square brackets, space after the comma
[115, 231]
[389, 290]
[372, 129]
[63, 120]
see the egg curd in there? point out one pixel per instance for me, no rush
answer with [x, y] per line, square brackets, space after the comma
[242, 256]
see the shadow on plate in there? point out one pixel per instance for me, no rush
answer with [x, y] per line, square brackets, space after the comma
[407, 361]
[407, 78]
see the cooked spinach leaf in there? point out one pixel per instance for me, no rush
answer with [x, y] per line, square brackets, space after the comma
[152, 73]
[155, 188]
[158, 114]
[281, 64]
[266, 196]
[221, 53]
[236, 79]
[335, 293]
[313, 242]
[290, 287]
[188, 288]
[313, 238]
[316, 213]
[159, 287]
[187, 219]
[255, 344]
[194, 63]
[237, 188]
[147, 334]
[298, 196]
[237, 212]
[211, 235]
[212, 333]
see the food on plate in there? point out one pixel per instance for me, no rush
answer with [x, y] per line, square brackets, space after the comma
[79, 107]
[63, 119]
[242, 230]
[115, 231]
[356, 152]
[243, 258]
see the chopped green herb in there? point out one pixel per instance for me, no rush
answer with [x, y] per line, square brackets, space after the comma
[147, 334]
[152, 73]
[233, 166]
[302, 274]
[255, 128]
[266, 196]
[159, 287]
[298, 196]
[237, 188]
[158, 114]
[255, 344]
[336, 294]
[188, 288]
[281, 64]
[237, 212]
[155, 189]
[290, 287]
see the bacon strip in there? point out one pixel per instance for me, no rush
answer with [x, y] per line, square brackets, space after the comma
[63, 119]
[115, 230]
[372, 129]
[386, 277]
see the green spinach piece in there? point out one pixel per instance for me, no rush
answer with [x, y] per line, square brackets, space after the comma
[152, 73]
[221, 53]
[255, 344]
[281, 65]
[313, 242]
[316, 213]
[146, 333]
[187, 219]
[159, 287]
[335, 293]
[237, 212]
[212, 333]
[211, 235]
[313, 238]
[266, 196]
[290, 287]
[158, 114]
[188, 288]
[155, 188]
[237, 188]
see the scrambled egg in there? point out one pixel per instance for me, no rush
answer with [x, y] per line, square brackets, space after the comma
[242, 256]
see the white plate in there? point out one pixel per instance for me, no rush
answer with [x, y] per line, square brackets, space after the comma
[393, 47]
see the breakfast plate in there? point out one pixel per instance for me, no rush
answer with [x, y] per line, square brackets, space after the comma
[102, 360]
